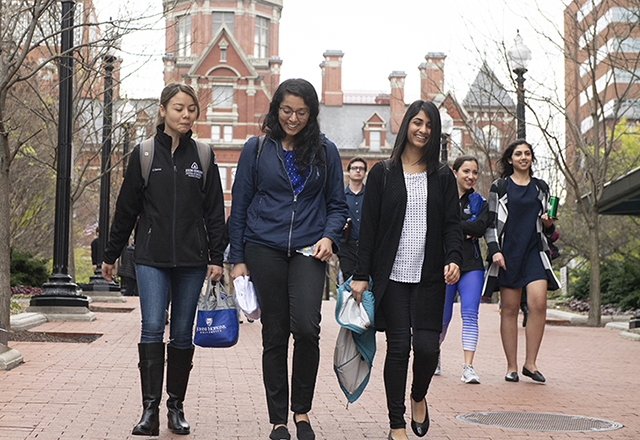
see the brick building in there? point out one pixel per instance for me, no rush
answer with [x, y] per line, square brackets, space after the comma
[228, 51]
[602, 52]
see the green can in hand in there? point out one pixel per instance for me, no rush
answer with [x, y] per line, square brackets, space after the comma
[553, 207]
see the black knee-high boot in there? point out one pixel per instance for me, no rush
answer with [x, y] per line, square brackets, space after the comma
[151, 368]
[178, 369]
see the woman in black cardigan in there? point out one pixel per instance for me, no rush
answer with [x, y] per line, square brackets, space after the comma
[411, 245]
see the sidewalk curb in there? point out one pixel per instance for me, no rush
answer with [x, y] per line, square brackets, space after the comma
[10, 359]
[27, 320]
[612, 322]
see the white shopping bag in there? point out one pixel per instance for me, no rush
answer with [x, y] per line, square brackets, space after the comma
[245, 295]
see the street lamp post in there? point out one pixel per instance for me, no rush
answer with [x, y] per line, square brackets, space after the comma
[520, 55]
[103, 290]
[446, 122]
[105, 179]
[59, 298]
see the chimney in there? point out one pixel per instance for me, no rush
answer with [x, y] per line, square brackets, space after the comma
[274, 64]
[397, 99]
[432, 76]
[332, 77]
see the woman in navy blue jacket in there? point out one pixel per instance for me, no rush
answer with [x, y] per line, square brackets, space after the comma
[286, 219]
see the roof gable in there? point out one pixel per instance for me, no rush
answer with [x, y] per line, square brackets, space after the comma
[236, 64]
[487, 93]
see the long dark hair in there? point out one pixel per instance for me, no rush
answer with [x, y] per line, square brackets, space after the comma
[431, 151]
[307, 143]
[506, 167]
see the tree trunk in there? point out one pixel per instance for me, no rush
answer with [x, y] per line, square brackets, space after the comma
[5, 260]
[594, 278]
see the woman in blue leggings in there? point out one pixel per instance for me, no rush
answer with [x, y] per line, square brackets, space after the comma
[474, 216]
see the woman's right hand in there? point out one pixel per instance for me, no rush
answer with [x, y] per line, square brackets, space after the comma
[239, 270]
[499, 260]
[357, 287]
[107, 271]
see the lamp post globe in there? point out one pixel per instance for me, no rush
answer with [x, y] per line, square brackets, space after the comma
[519, 56]
[446, 122]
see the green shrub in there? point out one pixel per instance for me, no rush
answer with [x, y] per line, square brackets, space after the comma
[27, 270]
[619, 283]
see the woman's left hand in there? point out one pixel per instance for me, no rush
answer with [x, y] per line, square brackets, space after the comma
[215, 272]
[323, 249]
[451, 273]
[546, 220]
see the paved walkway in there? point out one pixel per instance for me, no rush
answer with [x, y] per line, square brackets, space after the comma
[91, 391]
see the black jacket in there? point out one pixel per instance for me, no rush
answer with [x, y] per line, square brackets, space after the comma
[380, 230]
[179, 222]
[471, 256]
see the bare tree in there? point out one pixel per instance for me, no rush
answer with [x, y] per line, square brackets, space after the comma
[600, 51]
[29, 50]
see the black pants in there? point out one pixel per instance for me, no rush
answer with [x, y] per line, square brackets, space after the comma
[290, 293]
[348, 256]
[396, 306]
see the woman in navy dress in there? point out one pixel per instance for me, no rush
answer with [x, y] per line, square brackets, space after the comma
[519, 254]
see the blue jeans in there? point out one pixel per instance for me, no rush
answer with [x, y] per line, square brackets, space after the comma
[153, 287]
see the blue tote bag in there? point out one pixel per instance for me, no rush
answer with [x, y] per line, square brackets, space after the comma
[217, 319]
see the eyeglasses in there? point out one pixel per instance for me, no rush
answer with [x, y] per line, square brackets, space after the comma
[356, 169]
[303, 113]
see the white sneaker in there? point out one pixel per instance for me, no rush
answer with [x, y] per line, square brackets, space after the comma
[438, 371]
[468, 375]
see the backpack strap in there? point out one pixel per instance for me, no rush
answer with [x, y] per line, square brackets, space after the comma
[147, 151]
[261, 140]
[204, 153]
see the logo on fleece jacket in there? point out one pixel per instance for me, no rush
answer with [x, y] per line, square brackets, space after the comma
[194, 171]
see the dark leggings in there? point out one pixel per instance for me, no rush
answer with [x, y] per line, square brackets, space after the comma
[396, 306]
[290, 293]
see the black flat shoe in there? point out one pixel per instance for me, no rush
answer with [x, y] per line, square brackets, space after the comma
[536, 375]
[282, 433]
[512, 377]
[419, 429]
[304, 430]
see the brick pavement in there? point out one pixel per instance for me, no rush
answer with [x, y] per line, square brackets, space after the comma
[91, 391]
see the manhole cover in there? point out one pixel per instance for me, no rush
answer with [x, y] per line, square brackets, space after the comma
[539, 421]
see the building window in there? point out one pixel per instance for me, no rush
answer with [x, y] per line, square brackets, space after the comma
[227, 133]
[220, 18]
[456, 139]
[223, 177]
[78, 20]
[491, 137]
[215, 133]
[223, 54]
[222, 96]
[233, 175]
[374, 140]
[183, 36]
[222, 133]
[261, 39]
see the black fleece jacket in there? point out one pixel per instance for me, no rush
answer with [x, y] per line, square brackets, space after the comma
[179, 223]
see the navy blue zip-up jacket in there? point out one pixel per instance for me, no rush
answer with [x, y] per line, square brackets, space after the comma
[179, 222]
[270, 214]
